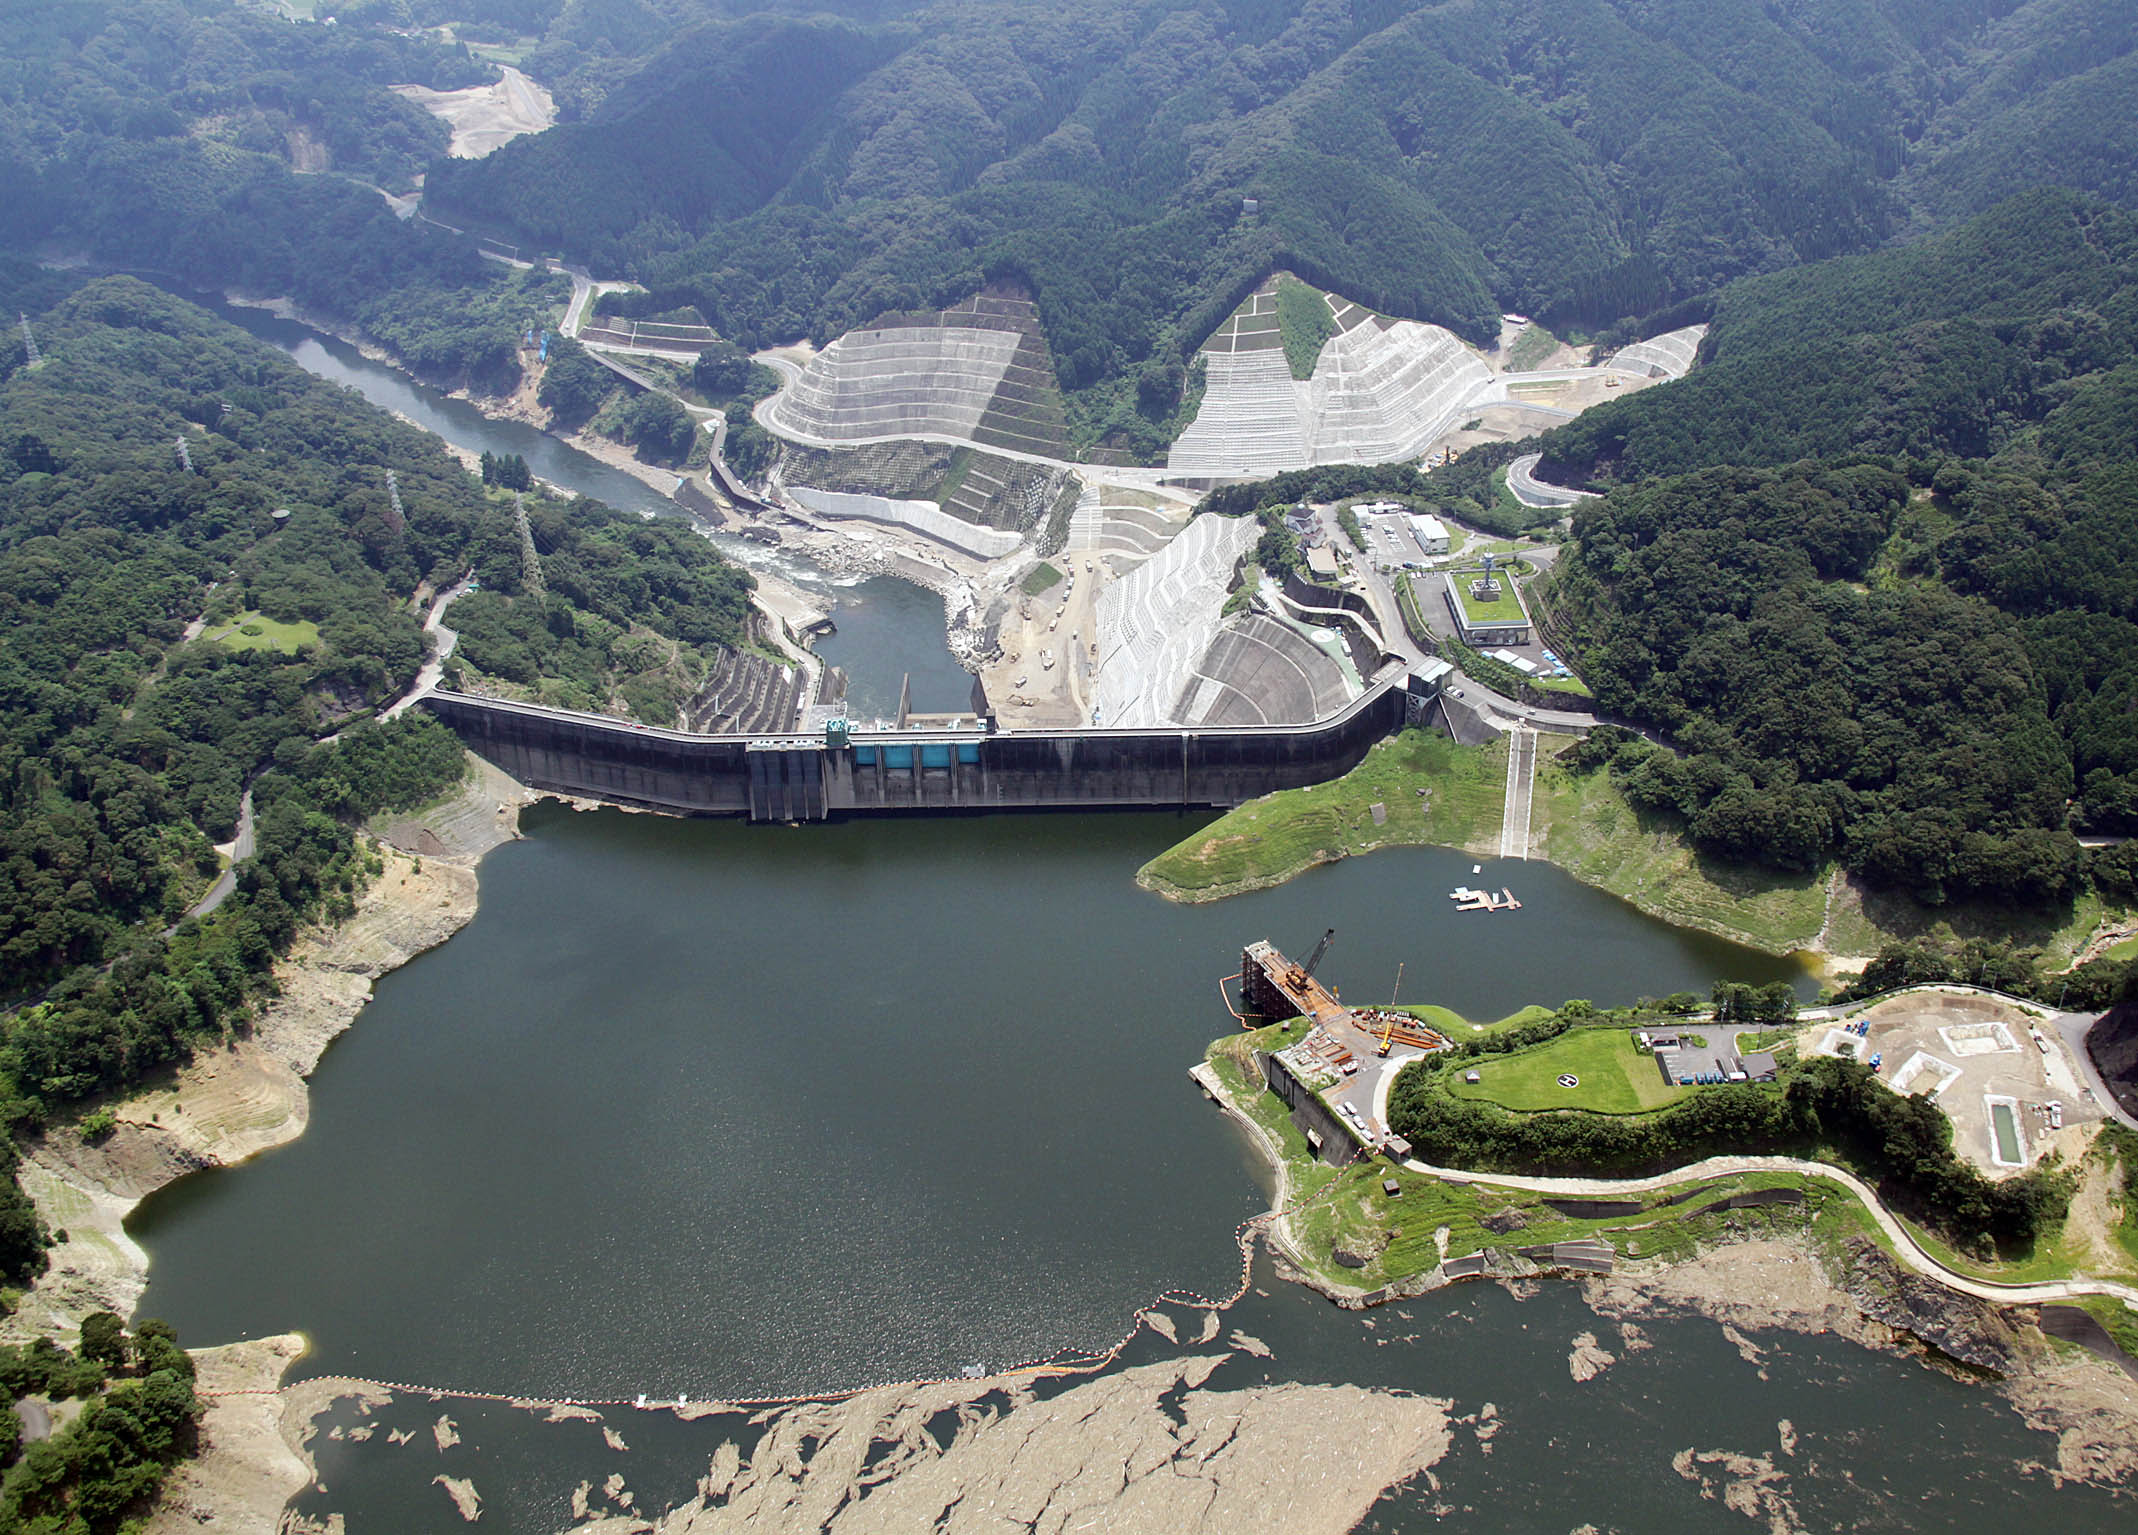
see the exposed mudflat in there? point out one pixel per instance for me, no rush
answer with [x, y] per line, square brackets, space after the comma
[2088, 1403]
[230, 1103]
[1108, 1455]
[247, 1468]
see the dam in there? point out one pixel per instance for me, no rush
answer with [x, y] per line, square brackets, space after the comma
[945, 765]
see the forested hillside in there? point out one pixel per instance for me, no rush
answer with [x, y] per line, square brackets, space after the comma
[1964, 344]
[796, 170]
[174, 628]
[1588, 159]
[169, 137]
[1923, 660]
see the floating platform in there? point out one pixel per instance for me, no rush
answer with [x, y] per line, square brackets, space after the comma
[1467, 899]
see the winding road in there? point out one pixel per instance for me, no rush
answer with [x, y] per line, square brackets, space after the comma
[1906, 1248]
[442, 642]
[1523, 484]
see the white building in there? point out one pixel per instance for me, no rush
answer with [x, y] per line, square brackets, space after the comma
[1431, 533]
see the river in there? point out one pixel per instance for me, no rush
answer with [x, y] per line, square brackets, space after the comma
[888, 629]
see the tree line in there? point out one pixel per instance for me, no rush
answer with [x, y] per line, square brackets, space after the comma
[1827, 1106]
[170, 636]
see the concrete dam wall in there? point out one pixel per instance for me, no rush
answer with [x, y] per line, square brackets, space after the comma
[809, 777]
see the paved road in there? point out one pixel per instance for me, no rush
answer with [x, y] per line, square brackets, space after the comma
[227, 881]
[1904, 1244]
[442, 643]
[2073, 1028]
[1521, 792]
[585, 289]
[1533, 492]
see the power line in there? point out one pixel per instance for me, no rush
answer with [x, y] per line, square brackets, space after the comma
[396, 518]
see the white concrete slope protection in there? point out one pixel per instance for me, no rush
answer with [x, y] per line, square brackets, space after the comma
[1381, 391]
[1669, 355]
[1156, 621]
[905, 381]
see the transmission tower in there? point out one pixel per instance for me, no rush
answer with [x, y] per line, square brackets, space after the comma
[185, 457]
[530, 562]
[395, 517]
[29, 340]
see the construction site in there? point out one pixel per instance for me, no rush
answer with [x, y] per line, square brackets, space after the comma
[1335, 1080]
[934, 446]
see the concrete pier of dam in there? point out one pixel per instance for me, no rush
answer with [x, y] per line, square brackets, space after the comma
[808, 777]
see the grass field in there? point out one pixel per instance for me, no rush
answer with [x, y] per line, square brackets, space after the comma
[1040, 578]
[1268, 840]
[1399, 1234]
[256, 631]
[1307, 323]
[1600, 839]
[1530, 348]
[1614, 1077]
[1506, 610]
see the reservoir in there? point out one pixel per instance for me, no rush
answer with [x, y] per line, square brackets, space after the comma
[700, 1106]
[694, 1106]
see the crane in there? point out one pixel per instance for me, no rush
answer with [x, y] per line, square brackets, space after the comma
[1306, 971]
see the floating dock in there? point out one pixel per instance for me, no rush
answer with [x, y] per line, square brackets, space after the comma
[1466, 899]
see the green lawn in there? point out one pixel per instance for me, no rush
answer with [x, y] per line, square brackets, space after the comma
[1455, 1026]
[256, 631]
[1530, 348]
[1601, 840]
[1268, 840]
[1506, 610]
[1041, 577]
[1615, 1078]
[1398, 1234]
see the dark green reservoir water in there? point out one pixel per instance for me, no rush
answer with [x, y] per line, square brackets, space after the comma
[694, 1106]
[734, 1110]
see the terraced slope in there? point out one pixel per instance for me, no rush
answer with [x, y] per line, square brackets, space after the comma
[1156, 622]
[1258, 671]
[1381, 391]
[978, 372]
[1669, 355]
[746, 694]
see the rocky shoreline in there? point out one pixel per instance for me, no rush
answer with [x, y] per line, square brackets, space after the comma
[233, 1102]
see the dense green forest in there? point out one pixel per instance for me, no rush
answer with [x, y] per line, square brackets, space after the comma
[97, 1473]
[2018, 324]
[169, 136]
[796, 170]
[1921, 659]
[171, 634]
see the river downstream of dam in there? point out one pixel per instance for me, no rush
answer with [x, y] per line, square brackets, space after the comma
[698, 1107]
[888, 629]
